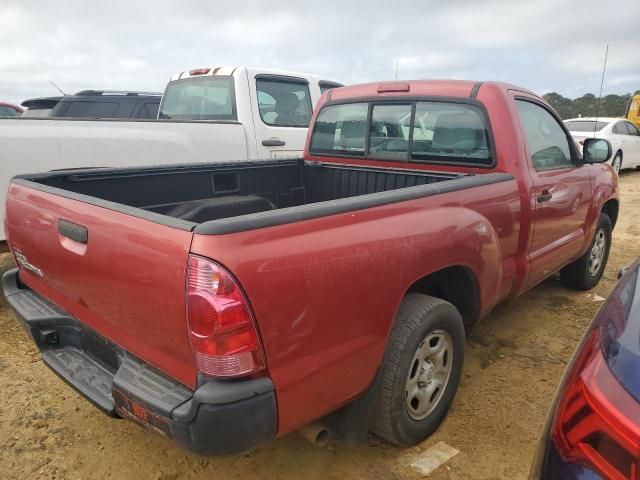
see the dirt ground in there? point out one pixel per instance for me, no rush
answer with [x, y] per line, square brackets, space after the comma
[514, 359]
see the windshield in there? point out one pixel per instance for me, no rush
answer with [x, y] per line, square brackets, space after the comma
[199, 98]
[585, 126]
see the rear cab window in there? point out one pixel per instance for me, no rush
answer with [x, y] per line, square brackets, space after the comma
[341, 130]
[389, 131]
[284, 102]
[437, 132]
[199, 98]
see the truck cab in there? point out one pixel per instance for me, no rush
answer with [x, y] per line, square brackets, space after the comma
[278, 105]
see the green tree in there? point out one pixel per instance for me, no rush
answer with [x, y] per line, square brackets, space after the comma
[562, 105]
[587, 105]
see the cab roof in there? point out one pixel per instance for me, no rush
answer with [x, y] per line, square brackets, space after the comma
[441, 88]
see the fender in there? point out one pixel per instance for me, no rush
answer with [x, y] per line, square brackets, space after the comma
[605, 182]
[476, 247]
[323, 302]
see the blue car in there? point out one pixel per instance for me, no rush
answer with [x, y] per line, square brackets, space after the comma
[593, 428]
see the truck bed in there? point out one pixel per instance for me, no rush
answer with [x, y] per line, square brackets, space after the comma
[225, 198]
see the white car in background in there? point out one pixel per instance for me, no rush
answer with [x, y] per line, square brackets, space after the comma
[623, 135]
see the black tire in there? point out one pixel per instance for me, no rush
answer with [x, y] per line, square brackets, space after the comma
[419, 317]
[617, 159]
[577, 274]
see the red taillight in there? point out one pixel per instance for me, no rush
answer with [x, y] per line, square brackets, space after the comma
[199, 71]
[597, 423]
[224, 338]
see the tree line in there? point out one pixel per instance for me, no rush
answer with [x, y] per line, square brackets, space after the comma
[587, 105]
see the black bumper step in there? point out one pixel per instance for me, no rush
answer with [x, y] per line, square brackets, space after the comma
[84, 374]
[150, 387]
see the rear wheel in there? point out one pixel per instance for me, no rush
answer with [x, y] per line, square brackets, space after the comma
[421, 369]
[585, 273]
[616, 164]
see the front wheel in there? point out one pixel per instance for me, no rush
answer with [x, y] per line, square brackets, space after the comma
[586, 272]
[420, 371]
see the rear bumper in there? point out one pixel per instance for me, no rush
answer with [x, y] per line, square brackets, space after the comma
[219, 417]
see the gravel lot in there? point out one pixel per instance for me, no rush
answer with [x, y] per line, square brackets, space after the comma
[514, 359]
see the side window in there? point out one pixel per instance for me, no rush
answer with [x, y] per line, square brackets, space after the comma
[147, 110]
[340, 129]
[389, 131]
[91, 109]
[450, 133]
[548, 143]
[620, 129]
[632, 129]
[284, 103]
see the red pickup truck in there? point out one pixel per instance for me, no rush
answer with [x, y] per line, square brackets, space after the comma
[224, 305]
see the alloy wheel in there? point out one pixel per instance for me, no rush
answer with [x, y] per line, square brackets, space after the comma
[429, 374]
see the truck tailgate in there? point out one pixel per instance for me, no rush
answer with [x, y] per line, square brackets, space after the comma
[126, 282]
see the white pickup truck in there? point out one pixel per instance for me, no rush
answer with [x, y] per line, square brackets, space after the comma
[206, 115]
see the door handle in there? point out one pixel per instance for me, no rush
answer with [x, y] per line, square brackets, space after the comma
[545, 196]
[273, 142]
[73, 231]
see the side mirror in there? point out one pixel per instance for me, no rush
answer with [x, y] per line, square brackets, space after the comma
[596, 150]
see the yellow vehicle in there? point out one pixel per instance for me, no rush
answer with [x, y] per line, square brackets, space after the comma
[633, 110]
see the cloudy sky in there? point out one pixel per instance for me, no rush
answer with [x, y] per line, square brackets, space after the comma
[545, 45]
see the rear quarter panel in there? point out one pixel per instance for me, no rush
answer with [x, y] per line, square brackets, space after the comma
[325, 292]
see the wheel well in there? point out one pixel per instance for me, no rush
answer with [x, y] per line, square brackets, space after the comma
[611, 209]
[457, 285]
